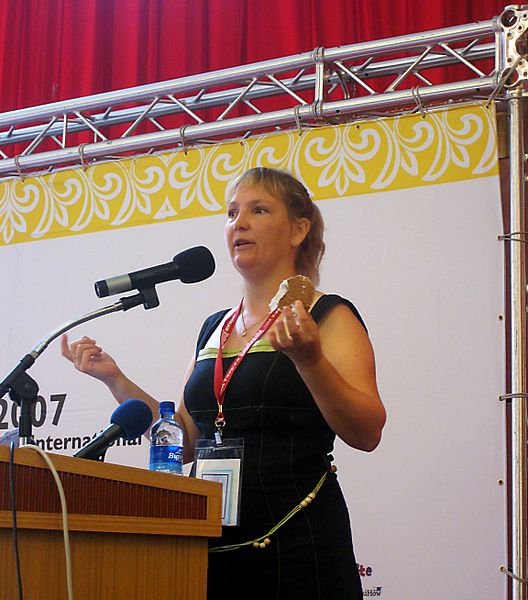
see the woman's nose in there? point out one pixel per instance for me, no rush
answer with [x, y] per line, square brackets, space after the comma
[241, 221]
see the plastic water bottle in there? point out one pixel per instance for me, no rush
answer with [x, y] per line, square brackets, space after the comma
[166, 442]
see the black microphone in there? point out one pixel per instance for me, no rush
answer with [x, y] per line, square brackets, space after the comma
[189, 266]
[129, 420]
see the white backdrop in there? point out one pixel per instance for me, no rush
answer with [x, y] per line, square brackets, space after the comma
[423, 266]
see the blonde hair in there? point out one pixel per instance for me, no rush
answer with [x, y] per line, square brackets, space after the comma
[299, 205]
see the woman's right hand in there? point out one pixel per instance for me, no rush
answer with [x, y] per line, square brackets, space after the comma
[89, 358]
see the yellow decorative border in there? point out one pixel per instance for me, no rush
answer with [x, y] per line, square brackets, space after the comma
[446, 145]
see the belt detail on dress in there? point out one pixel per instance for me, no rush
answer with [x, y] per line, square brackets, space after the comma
[264, 540]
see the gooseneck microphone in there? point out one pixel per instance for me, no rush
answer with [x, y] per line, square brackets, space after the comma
[189, 266]
[128, 421]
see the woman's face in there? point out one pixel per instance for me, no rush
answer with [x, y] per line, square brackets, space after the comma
[260, 236]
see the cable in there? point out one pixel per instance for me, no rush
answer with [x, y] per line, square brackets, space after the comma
[14, 518]
[64, 515]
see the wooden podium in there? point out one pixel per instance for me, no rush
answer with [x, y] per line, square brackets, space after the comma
[134, 534]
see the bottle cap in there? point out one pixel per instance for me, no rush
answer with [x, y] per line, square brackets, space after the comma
[167, 407]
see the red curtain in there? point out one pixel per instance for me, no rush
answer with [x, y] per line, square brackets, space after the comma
[58, 49]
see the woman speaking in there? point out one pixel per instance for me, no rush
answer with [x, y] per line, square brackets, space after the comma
[286, 370]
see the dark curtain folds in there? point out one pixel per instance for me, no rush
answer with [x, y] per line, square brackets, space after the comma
[59, 49]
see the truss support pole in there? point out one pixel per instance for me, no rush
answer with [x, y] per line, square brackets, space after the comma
[518, 291]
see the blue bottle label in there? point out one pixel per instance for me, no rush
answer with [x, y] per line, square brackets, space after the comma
[166, 458]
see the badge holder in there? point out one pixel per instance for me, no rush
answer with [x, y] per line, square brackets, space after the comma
[222, 463]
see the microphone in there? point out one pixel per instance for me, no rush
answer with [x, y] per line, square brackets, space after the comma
[190, 266]
[129, 420]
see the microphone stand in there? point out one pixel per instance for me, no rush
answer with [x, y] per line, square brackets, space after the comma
[24, 390]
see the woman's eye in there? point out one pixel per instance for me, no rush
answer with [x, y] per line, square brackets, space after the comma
[260, 209]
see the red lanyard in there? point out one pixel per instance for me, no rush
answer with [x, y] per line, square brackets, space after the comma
[221, 380]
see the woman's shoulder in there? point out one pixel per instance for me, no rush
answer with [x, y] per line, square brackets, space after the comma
[326, 302]
[215, 318]
[209, 326]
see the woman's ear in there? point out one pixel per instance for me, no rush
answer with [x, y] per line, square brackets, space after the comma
[300, 229]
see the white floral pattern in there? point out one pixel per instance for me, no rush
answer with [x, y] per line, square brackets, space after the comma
[451, 144]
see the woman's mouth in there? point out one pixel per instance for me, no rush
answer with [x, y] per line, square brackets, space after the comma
[242, 243]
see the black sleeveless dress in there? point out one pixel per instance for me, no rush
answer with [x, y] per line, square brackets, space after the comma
[287, 446]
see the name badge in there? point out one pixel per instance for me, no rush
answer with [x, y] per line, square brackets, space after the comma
[222, 462]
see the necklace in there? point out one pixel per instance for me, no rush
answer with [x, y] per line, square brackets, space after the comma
[245, 327]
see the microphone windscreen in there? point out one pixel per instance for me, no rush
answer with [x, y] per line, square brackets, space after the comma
[133, 416]
[195, 264]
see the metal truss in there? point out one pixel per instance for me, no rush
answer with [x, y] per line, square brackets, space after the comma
[513, 58]
[323, 86]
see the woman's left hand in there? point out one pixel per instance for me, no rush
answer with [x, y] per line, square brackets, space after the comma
[297, 335]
